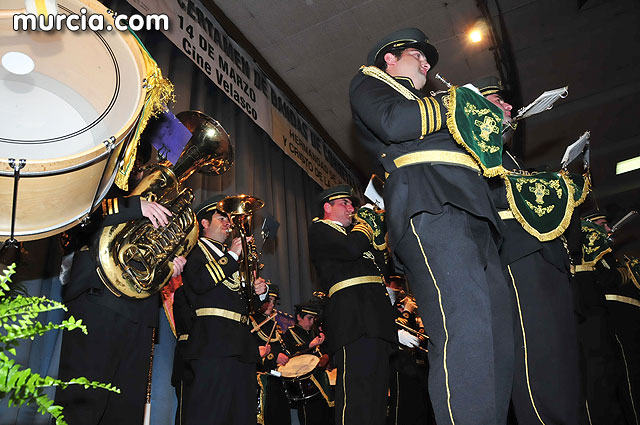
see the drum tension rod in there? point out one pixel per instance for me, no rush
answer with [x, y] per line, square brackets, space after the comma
[11, 248]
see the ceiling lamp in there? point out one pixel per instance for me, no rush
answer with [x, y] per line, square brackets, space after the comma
[628, 165]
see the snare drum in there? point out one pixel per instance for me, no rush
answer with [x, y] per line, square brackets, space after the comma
[297, 377]
[69, 117]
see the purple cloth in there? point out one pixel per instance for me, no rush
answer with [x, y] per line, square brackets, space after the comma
[168, 135]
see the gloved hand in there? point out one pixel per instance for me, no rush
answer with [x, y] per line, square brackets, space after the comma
[374, 220]
[407, 339]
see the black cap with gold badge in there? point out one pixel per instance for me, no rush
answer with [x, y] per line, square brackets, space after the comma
[489, 85]
[403, 39]
[208, 207]
[309, 307]
[273, 291]
[338, 192]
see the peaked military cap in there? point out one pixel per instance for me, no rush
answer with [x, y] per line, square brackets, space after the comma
[338, 192]
[274, 291]
[595, 215]
[208, 206]
[403, 39]
[307, 308]
[489, 85]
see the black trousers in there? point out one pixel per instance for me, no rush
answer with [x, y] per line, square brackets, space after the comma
[363, 382]
[219, 391]
[546, 384]
[275, 407]
[117, 351]
[409, 402]
[452, 265]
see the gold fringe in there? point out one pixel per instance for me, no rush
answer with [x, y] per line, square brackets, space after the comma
[586, 189]
[160, 91]
[455, 133]
[552, 234]
[598, 258]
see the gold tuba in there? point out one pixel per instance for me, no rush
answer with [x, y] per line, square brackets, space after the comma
[240, 209]
[134, 258]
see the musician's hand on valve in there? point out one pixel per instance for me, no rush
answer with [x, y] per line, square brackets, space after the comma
[264, 350]
[156, 213]
[282, 359]
[260, 286]
[410, 305]
[178, 266]
[236, 246]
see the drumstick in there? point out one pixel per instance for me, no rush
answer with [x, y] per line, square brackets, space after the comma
[258, 326]
[271, 333]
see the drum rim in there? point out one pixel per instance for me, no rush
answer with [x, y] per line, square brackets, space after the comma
[96, 152]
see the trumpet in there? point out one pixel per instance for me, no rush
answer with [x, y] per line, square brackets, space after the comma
[240, 210]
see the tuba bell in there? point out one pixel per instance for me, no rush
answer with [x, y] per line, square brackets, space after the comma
[135, 259]
[240, 209]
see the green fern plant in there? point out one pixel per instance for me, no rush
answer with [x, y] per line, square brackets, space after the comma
[18, 315]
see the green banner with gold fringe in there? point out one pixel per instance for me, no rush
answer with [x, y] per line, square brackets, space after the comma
[633, 266]
[476, 124]
[595, 242]
[543, 202]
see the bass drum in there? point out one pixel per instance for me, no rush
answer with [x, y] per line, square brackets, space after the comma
[69, 104]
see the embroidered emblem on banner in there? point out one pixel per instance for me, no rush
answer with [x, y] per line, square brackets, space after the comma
[476, 124]
[543, 202]
[595, 243]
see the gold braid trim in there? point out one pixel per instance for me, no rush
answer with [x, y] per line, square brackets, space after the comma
[436, 108]
[326, 397]
[423, 118]
[365, 229]
[377, 73]
[333, 225]
[552, 234]
[260, 417]
[455, 133]
[160, 92]
[622, 299]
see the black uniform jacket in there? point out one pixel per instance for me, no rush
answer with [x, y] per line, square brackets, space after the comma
[84, 279]
[261, 337]
[517, 242]
[356, 311]
[210, 278]
[389, 126]
[297, 340]
[184, 315]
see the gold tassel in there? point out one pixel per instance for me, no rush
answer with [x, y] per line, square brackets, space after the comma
[160, 91]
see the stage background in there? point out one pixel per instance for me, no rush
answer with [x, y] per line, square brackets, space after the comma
[261, 168]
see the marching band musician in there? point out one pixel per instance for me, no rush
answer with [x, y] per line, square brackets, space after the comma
[444, 229]
[118, 346]
[546, 376]
[303, 338]
[604, 374]
[274, 405]
[359, 326]
[220, 355]
[409, 402]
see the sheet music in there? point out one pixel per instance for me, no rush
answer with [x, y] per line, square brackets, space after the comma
[542, 103]
[372, 193]
[575, 149]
